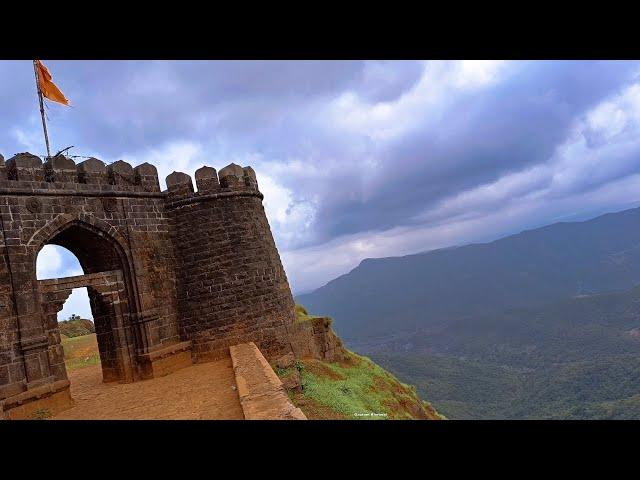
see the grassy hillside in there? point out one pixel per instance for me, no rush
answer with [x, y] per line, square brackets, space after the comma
[80, 351]
[354, 388]
[76, 327]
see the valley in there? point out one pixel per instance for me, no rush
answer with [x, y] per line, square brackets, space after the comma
[536, 333]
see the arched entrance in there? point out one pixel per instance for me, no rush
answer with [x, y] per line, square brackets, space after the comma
[107, 279]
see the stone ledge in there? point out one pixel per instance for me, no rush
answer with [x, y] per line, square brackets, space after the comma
[35, 393]
[165, 361]
[9, 191]
[167, 351]
[77, 281]
[196, 198]
[52, 396]
[261, 392]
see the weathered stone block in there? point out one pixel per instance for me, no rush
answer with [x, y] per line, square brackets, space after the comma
[121, 173]
[207, 180]
[60, 162]
[93, 171]
[25, 160]
[92, 165]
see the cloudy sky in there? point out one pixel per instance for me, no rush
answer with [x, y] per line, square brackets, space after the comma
[357, 159]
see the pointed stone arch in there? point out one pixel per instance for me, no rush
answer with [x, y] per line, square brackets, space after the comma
[64, 220]
[90, 223]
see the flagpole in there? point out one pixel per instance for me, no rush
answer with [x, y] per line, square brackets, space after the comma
[44, 123]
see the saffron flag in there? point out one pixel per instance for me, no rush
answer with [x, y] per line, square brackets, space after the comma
[49, 89]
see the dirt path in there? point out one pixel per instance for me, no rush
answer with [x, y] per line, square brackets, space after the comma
[199, 392]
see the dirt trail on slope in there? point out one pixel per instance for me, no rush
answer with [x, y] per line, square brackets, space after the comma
[199, 392]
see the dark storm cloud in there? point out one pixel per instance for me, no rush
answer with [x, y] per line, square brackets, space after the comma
[513, 125]
[386, 81]
[309, 129]
[123, 106]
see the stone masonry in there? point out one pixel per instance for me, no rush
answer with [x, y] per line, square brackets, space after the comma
[174, 277]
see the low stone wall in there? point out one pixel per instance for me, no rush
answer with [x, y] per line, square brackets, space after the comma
[166, 360]
[51, 398]
[261, 392]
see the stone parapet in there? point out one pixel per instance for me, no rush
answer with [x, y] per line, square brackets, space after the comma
[261, 392]
[62, 173]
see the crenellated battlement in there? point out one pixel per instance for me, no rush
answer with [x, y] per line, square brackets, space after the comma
[232, 179]
[199, 267]
[28, 171]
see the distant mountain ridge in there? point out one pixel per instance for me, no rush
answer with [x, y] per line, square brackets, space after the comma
[535, 267]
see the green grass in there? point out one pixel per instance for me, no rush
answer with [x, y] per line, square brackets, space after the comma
[357, 389]
[354, 388]
[81, 351]
[303, 316]
[41, 414]
[82, 362]
[282, 372]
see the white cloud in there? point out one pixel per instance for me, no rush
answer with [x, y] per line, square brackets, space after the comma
[178, 156]
[577, 180]
[78, 304]
[49, 262]
[290, 221]
[30, 140]
[615, 117]
[55, 262]
[477, 73]
[437, 87]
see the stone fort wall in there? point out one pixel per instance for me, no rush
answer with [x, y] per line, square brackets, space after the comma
[198, 267]
[232, 287]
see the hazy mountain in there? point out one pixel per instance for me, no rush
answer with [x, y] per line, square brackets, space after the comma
[387, 296]
[542, 324]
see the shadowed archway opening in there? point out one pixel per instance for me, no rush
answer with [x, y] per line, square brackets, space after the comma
[75, 320]
[102, 272]
[94, 250]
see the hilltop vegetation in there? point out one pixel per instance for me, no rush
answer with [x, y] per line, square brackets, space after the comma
[76, 327]
[579, 358]
[353, 388]
[356, 389]
[470, 389]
